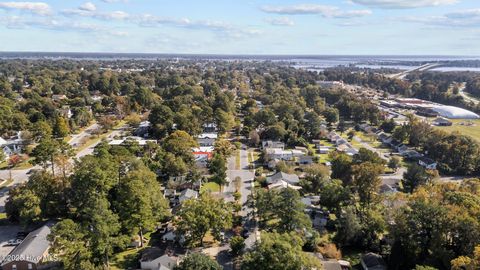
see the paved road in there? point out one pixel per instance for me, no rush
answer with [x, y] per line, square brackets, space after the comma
[21, 176]
[466, 96]
[246, 189]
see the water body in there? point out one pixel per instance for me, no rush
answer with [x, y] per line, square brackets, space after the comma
[308, 62]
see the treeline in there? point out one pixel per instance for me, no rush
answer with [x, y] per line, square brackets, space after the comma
[455, 153]
[441, 87]
[110, 197]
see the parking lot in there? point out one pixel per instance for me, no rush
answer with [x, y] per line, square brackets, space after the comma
[7, 233]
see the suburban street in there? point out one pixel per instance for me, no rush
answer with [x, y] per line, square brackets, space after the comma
[246, 189]
[21, 176]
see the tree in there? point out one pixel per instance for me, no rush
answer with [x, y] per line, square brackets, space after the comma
[365, 155]
[45, 153]
[415, 176]
[69, 243]
[394, 163]
[237, 244]
[224, 148]
[60, 128]
[140, 202]
[180, 144]
[218, 168]
[198, 261]
[279, 251]
[316, 176]
[23, 206]
[341, 166]
[366, 181]
[198, 217]
[281, 210]
[254, 138]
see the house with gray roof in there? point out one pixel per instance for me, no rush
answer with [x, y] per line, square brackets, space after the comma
[32, 253]
[187, 194]
[291, 179]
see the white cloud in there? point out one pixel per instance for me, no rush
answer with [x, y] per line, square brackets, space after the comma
[281, 21]
[464, 18]
[393, 4]
[88, 6]
[112, 15]
[39, 8]
[323, 10]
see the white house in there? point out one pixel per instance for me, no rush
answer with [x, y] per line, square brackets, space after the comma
[207, 139]
[279, 153]
[155, 259]
[427, 163]
[273, 144]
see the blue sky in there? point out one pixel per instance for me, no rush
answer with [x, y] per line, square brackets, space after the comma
[401, 27]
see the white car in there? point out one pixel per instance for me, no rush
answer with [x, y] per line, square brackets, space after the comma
[14, 242]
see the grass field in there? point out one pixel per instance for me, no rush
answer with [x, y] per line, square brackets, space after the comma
[211, 187]
[459, 126]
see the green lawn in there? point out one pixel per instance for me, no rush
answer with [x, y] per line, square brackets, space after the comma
[237, 160]
[459, 126]
[210, 187]
[127, 259]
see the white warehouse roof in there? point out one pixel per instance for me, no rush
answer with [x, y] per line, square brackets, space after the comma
[455, 112]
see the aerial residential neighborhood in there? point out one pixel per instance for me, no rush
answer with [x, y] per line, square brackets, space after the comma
[240, 135]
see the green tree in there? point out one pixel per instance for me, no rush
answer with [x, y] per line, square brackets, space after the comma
[60, 128]
[237, 244]
[415, 176]
[394, 163]
[139, 201]
[366, 181]
[45, 153]
[69, 244]
[23, 206]
[198, 217]
[279, 251]
[218, 168]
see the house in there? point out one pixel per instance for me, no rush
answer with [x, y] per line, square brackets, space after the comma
[282, 184]
[372, 261]
[156, 259]
[427, 163]
[130, 139]
[305, 160]
[385, 138]
[311, 201]
[171, 236]
[411, 154]
[273, 144]
[187, 194]
[202, 155]
[323, 149]
[59, 97]
[143, 129]
[385, 188]
[272, 164]
[32, 253]
[207, 139]
[291, 179]
[66, 112]
[210, 128]
[278, 153]
[442, 122]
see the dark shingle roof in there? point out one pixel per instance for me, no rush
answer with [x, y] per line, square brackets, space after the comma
[33, 246]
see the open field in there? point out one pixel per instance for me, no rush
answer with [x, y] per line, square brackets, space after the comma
[460, 126]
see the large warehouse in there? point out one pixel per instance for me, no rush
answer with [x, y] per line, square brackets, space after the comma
[452, 112]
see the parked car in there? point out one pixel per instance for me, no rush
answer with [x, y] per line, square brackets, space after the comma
[14, 242]
[245, 233]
